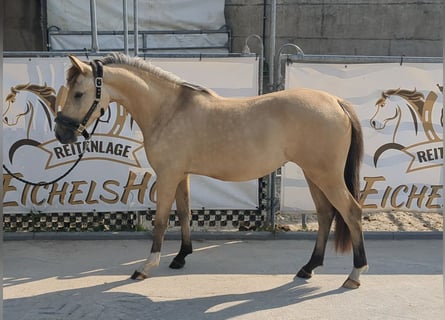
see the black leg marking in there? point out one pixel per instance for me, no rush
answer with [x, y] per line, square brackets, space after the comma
[316, 260]
[304, 274]
[138, 276]
[179, 261]
[360, 255]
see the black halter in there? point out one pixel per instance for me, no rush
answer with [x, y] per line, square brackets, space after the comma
[81, 126]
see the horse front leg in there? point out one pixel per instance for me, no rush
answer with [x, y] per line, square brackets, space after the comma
[183, 210]
[165, 196]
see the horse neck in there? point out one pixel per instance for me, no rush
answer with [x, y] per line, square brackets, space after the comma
[145, 96]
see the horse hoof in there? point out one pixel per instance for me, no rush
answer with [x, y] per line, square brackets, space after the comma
[176, 264]
[351, 284]
[138, 276]
[304, 274]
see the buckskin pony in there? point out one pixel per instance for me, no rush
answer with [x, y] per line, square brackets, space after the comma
[188, 129]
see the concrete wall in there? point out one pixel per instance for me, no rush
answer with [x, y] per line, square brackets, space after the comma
[354, 27]
[364, 27]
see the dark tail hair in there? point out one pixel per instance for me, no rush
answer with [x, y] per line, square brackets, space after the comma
[342, 237]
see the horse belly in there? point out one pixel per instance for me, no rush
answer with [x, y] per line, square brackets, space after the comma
[239, 164]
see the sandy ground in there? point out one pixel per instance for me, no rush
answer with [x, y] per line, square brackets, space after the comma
[376, 221]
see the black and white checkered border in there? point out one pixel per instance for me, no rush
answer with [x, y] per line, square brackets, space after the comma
[128, 221]
[69, 221]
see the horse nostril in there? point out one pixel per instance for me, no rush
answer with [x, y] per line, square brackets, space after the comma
[373, 123]
[6, 119]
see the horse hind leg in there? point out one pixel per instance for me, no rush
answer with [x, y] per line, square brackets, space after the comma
[348, 228]
[325, 215]
[183, 210]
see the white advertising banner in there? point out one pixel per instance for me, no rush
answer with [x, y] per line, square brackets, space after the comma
[401, 113]
[114, 175]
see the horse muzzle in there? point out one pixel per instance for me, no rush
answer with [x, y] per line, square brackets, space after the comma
[66, 129]
[65, 134]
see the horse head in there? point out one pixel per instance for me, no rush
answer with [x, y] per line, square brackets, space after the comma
[82, 101]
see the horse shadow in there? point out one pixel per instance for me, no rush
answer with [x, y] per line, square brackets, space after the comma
[118, 297]
[110, 301]
[108, 293]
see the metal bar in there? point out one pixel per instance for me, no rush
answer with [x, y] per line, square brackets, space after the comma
[39, 54]
[94, 43]
[144, 42]
[55, 34]
[308, 58]
[125, 18]
[151, 32]
[304, 221]
[279, 81]
[136, 27]
[247, 50]
[272, 37]
[148, 49]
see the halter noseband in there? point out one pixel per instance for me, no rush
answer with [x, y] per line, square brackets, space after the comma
[81, 126]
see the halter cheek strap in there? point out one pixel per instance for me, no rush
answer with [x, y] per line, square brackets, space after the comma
[81, 126]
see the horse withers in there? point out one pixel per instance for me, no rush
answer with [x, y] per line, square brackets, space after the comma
[188, 129]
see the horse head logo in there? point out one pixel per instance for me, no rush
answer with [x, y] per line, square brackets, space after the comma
[18, 108]
[22, 103]
[407, 107]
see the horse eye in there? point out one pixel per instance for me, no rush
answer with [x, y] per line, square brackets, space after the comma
[78, 95]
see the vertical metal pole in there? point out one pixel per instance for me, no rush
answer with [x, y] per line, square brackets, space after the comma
[272, 176]
[273, 24]
[304, 221]
[271, 191]
[125, 17]
[136, 27]
[94, 43]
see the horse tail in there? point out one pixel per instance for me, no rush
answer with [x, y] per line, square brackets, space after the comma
[342, 237]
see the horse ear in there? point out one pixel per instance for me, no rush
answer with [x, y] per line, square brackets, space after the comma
[83, 67]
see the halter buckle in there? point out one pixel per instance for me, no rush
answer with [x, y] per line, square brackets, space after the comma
[98, 82]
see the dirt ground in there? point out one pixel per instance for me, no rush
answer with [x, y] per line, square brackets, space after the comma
[375, 221]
